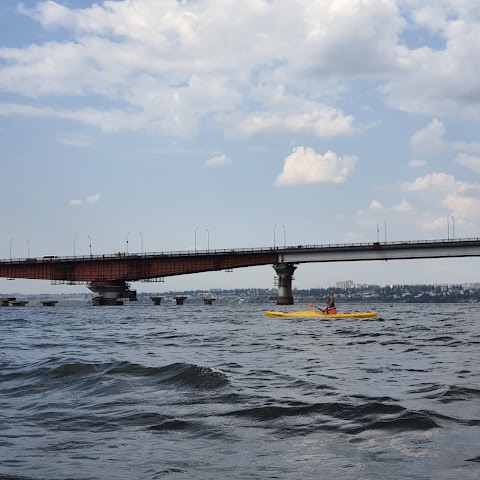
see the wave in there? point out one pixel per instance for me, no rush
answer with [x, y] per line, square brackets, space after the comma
[103, 378]
[475, 459]
[180, 374]
[345, 417]
[14, 477]
[405, 421]
[458, 394]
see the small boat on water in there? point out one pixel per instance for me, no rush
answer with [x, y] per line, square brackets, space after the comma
[318, 314]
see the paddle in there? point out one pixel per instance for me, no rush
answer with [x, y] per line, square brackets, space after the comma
[311, 305]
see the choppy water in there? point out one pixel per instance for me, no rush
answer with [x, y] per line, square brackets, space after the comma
[223, 392]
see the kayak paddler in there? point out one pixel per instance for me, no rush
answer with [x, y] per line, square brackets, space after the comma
[330, 306]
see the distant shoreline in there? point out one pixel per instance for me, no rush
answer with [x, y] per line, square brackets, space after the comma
[364, 294]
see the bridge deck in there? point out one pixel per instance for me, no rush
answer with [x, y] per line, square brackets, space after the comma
[132, 267]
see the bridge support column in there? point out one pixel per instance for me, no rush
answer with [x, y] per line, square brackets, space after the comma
[284, 283]
[180, 300]
[111, 292]
[156, 300]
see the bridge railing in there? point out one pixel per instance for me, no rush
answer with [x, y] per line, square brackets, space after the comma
[260, 250]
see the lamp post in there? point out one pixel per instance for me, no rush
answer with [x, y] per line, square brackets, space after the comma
[90, 244]
[284, 235]
[208, 239]
[453, 228]
[127, 242]
[378, 230]
[448, 227]
[141, 238]
[74, 237]
[13, 238]
[28, 247]
[196, 240]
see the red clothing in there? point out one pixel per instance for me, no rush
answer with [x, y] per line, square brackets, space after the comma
[331, 308]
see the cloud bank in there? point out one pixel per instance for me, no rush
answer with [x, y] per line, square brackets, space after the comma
[167, 66]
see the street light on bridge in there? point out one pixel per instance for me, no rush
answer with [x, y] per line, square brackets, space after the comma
[74, 237]
[378, 230]
[28, 247]
[13, 238]
[141, 237]
[90, 244]
[196, 239]
[127, 242]
[284, 235]
[208, 239]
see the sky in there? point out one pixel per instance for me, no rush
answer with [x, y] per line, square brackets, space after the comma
[162, 125]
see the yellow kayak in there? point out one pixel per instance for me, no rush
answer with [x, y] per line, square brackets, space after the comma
[317, 314]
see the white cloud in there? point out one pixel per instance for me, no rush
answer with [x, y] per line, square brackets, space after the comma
[403, 206]
[283, 111]
[336, 41]
[470, 147]
[469, 161]
[439, 182]
[439, 223]
[305, 166]
[110, 121]
[218, 161]
[417, 163]
[441, 80]
[462, 207]
[375, 205]
[93, 198]
[75, 140]
[318, 120]
[462, 210]
[168, 66]
[429, 140]
[375, 208]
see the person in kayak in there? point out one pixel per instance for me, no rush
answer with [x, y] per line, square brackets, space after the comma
[330, 306]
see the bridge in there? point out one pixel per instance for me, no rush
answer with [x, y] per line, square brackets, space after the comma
[108, 276]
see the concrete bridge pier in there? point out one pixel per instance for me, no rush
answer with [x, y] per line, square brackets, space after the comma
[111, 292]
[156, 300]
[284, 283]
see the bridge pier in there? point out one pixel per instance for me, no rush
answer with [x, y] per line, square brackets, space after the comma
[284, 283]
[156, 300]
[111, 292]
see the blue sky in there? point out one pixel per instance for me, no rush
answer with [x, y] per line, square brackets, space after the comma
[162, 123]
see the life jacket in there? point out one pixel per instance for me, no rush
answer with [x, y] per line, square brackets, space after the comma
[332, 308]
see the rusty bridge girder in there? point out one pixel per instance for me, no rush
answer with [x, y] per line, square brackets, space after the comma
[131, 267]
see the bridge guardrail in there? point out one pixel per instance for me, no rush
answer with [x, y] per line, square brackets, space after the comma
[276, 249]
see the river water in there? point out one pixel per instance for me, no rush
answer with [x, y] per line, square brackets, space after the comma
[223, 392]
